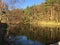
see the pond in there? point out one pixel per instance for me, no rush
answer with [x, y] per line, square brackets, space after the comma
[22, 40]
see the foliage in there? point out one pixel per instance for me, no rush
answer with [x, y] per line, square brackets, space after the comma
[52, 2]
[24, 22]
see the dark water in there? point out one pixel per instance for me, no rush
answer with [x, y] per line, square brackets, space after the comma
[22, 40]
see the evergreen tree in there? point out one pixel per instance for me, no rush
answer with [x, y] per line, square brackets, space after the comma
[53, 1]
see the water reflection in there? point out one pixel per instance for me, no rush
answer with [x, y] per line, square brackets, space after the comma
[22, 40]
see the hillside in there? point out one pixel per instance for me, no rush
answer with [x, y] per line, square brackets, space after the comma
[42, 22]
[38, 22]
[43, 12]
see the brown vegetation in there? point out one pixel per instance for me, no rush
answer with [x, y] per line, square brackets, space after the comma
[26, 22]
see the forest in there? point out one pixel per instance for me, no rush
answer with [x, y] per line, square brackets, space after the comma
[34, 14]
[35, 20]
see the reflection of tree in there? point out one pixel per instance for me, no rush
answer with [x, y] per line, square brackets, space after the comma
[43, 34]
[3, 30]
[31, 17]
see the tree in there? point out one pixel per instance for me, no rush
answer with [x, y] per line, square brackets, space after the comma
[53, 1]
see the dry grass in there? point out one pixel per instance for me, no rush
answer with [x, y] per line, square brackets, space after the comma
[46, 24]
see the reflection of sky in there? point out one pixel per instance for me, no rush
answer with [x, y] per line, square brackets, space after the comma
[24, 4]
[22, 40]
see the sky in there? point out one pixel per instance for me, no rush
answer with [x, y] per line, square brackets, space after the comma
[30, 3]
[24, 4]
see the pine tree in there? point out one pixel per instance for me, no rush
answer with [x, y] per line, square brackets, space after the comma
[53, 1]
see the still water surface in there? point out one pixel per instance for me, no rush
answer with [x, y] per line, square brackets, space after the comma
[22, 40]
